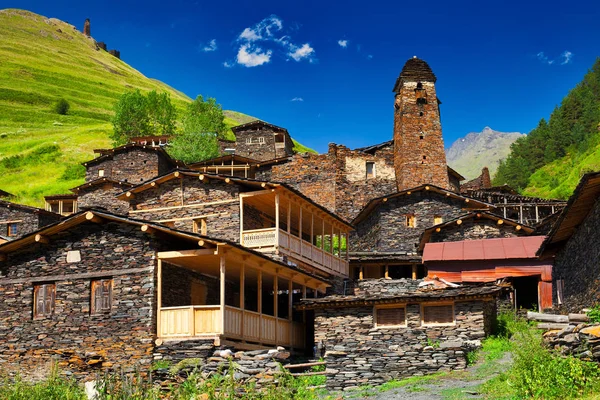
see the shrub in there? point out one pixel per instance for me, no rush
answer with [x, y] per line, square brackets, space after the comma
[54, 387]
[62, 107]
[73, 172]
[594, 313]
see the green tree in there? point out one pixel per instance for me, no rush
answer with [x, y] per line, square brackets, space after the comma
[140, 115]
[62, 107]
[131, 118]
[204, 116]
[203, 124]
[161, 113]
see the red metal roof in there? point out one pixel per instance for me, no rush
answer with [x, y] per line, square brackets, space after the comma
[484, 249]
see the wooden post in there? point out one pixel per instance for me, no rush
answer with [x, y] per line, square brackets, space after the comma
[159, 298]
[277, 223]
[289, 217]
[504, 208]
[312, 230]
[242, 220]
[537, 214]
[300, 229]
[521, 213]
[414, 271]
[290, 300]
[387, 271]
[331, 240]
[552, 209]
[259, 305]
[323, 234]
[242, 295]
[361, 273]
[275, 301]
[222, 292]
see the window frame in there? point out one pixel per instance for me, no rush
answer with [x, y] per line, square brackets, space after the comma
[200, 226]
[436, 218]
[101, 172]
[9, 232]
[408, 219]
[437, 304]
[36, 293]
[373, 174]
[378, 307]
[93, 285]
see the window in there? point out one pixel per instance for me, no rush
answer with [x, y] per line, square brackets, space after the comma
[258, 140]
[437, 219]
[68, 207]
[560, 289]
[44, 296]
[12, 229]
[370, 169]
[261, 140]
[248, 140]
[438, 314]
[411, 221]
[200, 226]
[395, 316]
[100, 172]
[101, 295]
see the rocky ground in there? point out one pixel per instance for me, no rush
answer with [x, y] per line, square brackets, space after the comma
[450, 386]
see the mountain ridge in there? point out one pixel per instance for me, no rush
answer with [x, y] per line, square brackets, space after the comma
[470, 153]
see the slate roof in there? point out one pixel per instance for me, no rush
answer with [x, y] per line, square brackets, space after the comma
[257, 123]
[415, 70]
[411, 292]
[484, 249]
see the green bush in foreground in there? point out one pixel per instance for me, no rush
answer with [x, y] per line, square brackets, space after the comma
[538, 372]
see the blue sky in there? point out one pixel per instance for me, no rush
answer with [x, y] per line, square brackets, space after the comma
[325, 70]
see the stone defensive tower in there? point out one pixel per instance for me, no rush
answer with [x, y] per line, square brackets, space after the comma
[419, 156]
[86, 28]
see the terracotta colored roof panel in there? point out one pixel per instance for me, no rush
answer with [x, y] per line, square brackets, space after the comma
[484, 249]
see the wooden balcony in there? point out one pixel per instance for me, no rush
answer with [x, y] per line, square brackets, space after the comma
[238, 324]
[281, 242]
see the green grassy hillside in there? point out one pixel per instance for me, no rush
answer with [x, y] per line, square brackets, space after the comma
[42, 60]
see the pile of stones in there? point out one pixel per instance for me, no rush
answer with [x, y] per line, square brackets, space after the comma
[581, 340]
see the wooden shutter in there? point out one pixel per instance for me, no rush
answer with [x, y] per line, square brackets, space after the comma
[44, 297]
[101, 295]
[391, 316]
[438, 314]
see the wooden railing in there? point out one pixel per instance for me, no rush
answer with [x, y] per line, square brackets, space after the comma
[265, 239]
[190, 321]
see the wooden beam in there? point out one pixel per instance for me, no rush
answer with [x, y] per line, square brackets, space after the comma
[277, 223]
[129, 195]
[185, 253]
[41, 239]
[90, 216]
[176, 174]
[414, 271]
[3, 257]
[153, 184]
[146, 228]
[500, 222]
[459, 222]
[222, 292]
[158, 297]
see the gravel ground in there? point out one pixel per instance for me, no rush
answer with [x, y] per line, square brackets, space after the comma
[456, 385]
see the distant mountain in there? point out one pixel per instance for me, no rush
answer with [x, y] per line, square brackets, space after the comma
[469, 154]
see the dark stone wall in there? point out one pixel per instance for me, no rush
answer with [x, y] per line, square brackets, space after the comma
[177, 287]
[267, 150]
[472, 229]
[385, 229]
[578, 265]
[78, 341]
[30, 221]
[134, 165]
[103, 196]
[360, 353]
[223, 219]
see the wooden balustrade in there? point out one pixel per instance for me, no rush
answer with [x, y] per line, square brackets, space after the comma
[190, 321]
[265, 239]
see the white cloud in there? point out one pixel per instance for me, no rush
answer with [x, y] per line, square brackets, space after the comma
[343, 43]
[253, 57]
[302, 52]
[227, 64]
[297, 99]
[543, 58]
[566, 55]
[262, 30]
[370, 56]
[211, 46]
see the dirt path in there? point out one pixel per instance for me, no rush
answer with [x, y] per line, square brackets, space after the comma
[452, 386]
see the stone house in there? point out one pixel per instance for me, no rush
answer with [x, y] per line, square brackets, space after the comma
[385, 242]
[392, 329]
[17, 220]
[270, 217]
[261, 141]
[63, 204]
[132, 163]
[512, 259]
[100, 290]
[573, 246]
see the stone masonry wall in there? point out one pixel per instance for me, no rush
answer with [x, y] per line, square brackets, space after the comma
[385, 229]
[419, 146]
[358, 353]
[472, 229]
[103, 197]
[261, 151]
[578, 265]
[77, 340]
[27, 221]
[134, 165]
[222, 218]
